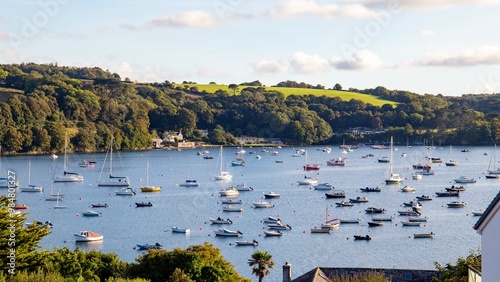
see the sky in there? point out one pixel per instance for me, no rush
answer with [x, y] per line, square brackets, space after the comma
[448, 47]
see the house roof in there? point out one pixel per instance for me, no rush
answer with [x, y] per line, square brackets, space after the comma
[485, 218]
[315, 275]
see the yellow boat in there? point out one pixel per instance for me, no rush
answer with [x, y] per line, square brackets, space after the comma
[150, 189]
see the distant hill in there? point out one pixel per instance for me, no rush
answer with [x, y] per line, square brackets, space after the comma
[287, 91]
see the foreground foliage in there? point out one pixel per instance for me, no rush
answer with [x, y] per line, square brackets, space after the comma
[459, 272]
[197, 262]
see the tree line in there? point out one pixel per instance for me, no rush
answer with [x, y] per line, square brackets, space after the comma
[92, 105]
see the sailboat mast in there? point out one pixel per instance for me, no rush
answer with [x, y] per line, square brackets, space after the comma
[111, 158]
[390, 158]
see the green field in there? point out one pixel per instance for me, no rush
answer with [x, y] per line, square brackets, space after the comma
[344, 95]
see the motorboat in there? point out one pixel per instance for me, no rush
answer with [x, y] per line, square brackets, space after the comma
[190, 183]
[374, 210]
[409, 213]
[321, 230]
[335, 194]
[99, 205]
[230, 201]
[47, 224]
[91, 213]
[368, 156]
[311, 167]
[448, 194]
[408, 189]
[456, 204]
[308, 181]
[362, 237]
[370, 189]
[336, 162]
[229, 192]
[88, 236]
[423, 235]
[361, 199]
[86, 163]
[417, 175]
[243, 187]
[176, 229]
[424, 198]
[451, 163]
[149, 246]
[324, 186]
[143, 204]
[464, 179]
[385, 218]
[208, 157]
[230, 208]
[454, 188]
[262, 204]
[126, 191]
[375, 223]
[477, 213]
[272, 195]
[344, 204]
[417, 219]
[279, 226]
[413, 204]
[247, 243]
[384, 160]
[349, 221]
[270, 233]
[32, 188]
[410, 223]
[271, 219]
[427, 172]
[238, 162]
[227, 233]
[221, 221]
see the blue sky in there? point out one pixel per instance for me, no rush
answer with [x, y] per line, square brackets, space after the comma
[448, 47]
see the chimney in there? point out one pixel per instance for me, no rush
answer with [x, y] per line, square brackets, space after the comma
[287, 272]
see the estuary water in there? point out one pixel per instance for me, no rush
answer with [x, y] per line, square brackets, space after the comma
[392, 245]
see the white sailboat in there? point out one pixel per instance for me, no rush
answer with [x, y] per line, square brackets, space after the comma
[67, 176]
[31, 187]
[492, 171]
[114, 181]
[58, 198]
[393, 178]
[307, 180]
[222, 175]
[450, 162]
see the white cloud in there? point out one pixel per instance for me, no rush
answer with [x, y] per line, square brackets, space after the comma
[427, 33]
[265, 66]
[305, 63]
[292, 8]
[195, 19]
[208, 72]
[361, 60]
[485, 55]
[420, 4]
[4, 35]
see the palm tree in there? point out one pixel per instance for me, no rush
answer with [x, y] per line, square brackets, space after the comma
[261, 261]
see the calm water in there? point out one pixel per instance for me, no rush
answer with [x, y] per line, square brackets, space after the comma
[392, 246]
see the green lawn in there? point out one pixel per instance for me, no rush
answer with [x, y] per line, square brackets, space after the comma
[344, 95]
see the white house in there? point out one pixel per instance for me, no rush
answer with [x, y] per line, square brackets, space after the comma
[488, 226]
